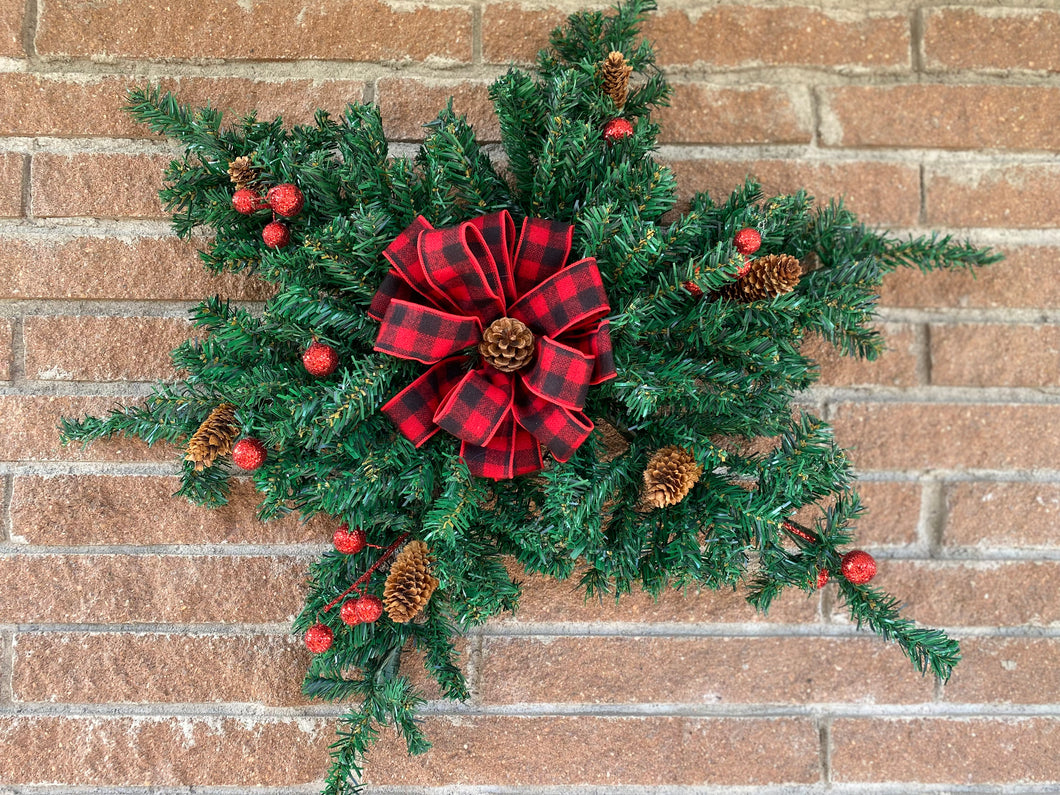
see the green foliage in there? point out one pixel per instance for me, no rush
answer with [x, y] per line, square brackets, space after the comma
[709, 375]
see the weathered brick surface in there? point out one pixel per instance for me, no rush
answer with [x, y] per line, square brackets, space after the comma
[140, 751]
[993, 196]
[709, 114]
[407, 104]
[6, 331]
[737, 35]
[107, 589]
[1005, 670]
[696, 671]
[30, 431]
[946, 750]
[961, 117]
[993, 514]
[53, 105]
[105, 267]
[923, 435]
[10, 185]
[98, 186]
[977, 354]
[892, 513]
[896, 366]
[80, 510]
[1023, 279]
[992, 38]
[85, 348]
[506, 751]
[882, 193]
[514, 32]
[11, 21]
[348, 30]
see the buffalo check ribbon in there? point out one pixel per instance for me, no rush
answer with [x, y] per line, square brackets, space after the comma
[446, 286]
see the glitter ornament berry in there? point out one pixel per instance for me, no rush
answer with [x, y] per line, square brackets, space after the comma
[320, 359]
[747, 241]
[617, 129]
[248, 454]
[822, 578]
[349, 542]
[858, 567]
[248, 201]
[318, 638]
[286, 200]
[369, 609]
[276, 235]
[348, 612]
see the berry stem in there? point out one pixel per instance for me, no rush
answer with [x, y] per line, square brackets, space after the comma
[364, 577]
[801, 532]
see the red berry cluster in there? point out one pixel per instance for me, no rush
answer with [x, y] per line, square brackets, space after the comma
[617, 129]
[285, 200]
[347, 541]
[363, 610]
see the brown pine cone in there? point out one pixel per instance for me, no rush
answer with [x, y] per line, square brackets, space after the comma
[670, 475]
[214, 437]
[615, 72]
[410, 584]
[507, 344]
[766, 277]
[242, 173]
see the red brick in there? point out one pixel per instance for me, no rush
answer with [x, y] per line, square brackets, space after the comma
[1023, 279]
[98, 186]
[31, 431]
[951, 751]
[80, 510]
[547, 600]
[102, 348]
[53, 105]
[708, 114]
[406, 104]
[949, 436]
[512, 32]
[591, 751]
[149, 751]
[960, 117]
[109, 589]
[1018, 197]
[348, 30]
[1006, 670]
[11, 21]
[991, 38]
[10, 185]
[696, 671]
[966, 354]
[738, 35]
[95, 668]
[990, 594]
[881, 193]
[6, 332]
[1002, 514]
[891, 517]
[896, 366]
[102, 268]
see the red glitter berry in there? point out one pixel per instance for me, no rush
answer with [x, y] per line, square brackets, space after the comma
[617, 129]
[285, 200]
[369, 608]
[349, 542]
[822, 578]
[320, 359]
[248, 201]
[248, 454]
[318, 638]
[349, 612]
[747, 241]
[859, 567]
[276, 235]
[693, 288]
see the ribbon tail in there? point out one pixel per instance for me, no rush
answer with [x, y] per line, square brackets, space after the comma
[560, 430]
[412, 409]
[512, 451]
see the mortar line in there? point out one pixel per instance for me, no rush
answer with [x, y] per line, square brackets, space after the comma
[824, 734]
[7, 670]
[27, 189]
[476, 35]
[8, 529]
[29, 30]
[933, 515]
[916, 43]
[924, 359]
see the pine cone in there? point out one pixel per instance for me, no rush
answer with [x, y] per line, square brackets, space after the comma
[241, 173]
[766, 277]
[670, 475]
[507, 344]
[616, 72]
[409, 585]
[214, 437]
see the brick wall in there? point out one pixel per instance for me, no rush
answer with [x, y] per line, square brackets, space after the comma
[143, 642]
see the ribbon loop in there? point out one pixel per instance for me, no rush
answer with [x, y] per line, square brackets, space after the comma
[412, 409]
[460, 266]
[414, 331]
[572, 296]
[559, 374]
[475, 408]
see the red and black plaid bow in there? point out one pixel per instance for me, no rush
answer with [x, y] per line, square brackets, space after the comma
[445, 287]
